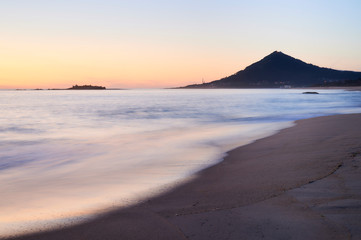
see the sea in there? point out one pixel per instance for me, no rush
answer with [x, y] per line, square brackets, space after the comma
[68, 155]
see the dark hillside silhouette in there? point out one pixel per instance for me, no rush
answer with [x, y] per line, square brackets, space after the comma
[343, 83]
[280, 70]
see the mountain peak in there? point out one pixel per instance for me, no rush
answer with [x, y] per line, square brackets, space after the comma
[277, 54]
[274, 61]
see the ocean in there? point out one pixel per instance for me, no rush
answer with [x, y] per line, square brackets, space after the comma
[67, 155]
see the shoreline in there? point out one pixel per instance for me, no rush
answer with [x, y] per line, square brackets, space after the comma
[257, 173]
[353, 88]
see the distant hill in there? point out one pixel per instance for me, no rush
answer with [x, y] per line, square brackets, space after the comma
[280, 70]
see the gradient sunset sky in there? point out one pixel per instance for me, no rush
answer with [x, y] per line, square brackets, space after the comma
[154, 43]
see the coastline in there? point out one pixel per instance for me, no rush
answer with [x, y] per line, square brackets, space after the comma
[353, 88]
[249, 194]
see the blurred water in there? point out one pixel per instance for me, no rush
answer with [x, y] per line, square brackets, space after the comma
[67, 154]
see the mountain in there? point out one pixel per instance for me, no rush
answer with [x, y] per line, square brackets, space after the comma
[280, 70]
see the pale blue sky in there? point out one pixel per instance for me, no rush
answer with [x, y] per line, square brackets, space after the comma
[180, 41]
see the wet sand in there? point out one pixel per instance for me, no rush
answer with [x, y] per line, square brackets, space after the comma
[301, 183]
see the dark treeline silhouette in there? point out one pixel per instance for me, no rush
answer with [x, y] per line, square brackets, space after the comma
[85, 87]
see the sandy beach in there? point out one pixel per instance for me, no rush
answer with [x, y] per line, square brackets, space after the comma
[301, 183]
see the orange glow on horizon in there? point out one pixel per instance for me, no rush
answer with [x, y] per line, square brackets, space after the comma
[61, 63]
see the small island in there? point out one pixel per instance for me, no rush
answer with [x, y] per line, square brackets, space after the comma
[86, 87]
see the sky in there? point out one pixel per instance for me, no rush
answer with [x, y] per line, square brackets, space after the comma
[159, 43]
